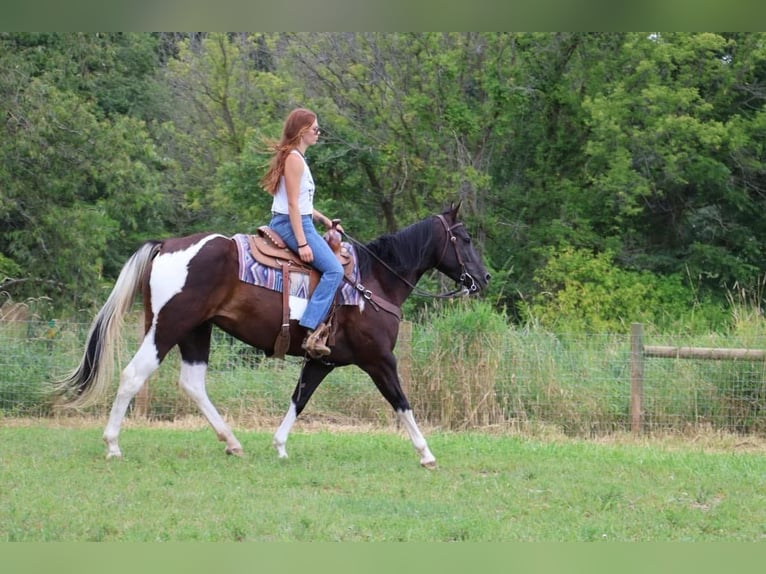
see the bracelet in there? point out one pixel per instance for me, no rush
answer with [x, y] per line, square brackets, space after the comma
[302, 246]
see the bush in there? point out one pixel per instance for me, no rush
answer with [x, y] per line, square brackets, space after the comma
[456, 357]
[583, 292]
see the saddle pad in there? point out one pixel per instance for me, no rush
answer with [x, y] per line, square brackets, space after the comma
[254, 273]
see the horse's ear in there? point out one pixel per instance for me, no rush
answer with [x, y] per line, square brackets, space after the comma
[455, 208]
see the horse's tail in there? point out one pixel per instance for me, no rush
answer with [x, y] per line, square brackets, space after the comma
[89, 381]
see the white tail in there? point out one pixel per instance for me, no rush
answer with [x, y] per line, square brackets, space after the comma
[87, 384]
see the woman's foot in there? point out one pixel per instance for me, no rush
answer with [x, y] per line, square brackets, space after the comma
[315, 342]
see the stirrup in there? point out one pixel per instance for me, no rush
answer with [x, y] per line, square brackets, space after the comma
[314, 343]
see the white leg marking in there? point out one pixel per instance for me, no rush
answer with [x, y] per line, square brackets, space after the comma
[192, 382]
[135, 374]
[408, 419]
[280, 437]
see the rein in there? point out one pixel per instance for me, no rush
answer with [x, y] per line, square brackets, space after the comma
[451, 239]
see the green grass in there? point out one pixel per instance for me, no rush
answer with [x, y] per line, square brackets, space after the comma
[177, 485]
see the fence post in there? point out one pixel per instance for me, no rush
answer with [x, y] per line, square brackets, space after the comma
[636, 377]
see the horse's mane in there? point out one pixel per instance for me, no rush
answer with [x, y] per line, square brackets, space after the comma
[401, 250]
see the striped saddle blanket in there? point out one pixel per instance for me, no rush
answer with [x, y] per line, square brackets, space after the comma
[254, 273]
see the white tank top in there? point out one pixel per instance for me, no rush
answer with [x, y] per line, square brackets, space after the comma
[305, 195]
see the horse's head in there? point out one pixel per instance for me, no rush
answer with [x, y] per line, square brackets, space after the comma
[458, 259]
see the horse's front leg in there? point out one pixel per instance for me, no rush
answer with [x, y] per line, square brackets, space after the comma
[384, 374]
[280, 437]
[427, 459]
[312, 374]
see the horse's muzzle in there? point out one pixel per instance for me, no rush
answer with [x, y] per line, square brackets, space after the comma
[470, 285]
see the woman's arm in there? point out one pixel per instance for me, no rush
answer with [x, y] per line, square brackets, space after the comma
[323, 219]
[326, 221]
[293, 173]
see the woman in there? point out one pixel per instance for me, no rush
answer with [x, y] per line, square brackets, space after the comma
[289, 180]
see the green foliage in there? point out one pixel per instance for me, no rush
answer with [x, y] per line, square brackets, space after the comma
[8, 267]
[224, 102]
[746, 304]
[660, 161]
[240, 204]
[411, 110]
[76, 181]
[30, 350]
[456, 360]
[580, 291]
[648, 147]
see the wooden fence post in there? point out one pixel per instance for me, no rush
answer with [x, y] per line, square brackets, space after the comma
[636, 377]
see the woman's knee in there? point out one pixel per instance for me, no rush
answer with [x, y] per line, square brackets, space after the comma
[333, 275]
[337, 270]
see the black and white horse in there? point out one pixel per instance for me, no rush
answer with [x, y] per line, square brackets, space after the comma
[189, 284]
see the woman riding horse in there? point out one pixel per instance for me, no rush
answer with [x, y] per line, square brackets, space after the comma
[189, 284]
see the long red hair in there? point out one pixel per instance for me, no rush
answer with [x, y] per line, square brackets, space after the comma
[297, 123]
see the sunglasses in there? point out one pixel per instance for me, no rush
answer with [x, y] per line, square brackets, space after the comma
[316, 130]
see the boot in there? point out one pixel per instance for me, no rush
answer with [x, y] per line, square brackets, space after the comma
[315, 342]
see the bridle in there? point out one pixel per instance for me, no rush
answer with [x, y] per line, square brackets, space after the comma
[451, 240]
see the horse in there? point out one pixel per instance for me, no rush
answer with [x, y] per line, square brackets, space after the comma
[189, 284]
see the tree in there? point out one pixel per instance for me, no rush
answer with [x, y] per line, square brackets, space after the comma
[77, 183]
[667, 138]
[413, 114]
[225, 100]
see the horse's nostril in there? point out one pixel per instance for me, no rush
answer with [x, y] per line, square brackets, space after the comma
[488, 277]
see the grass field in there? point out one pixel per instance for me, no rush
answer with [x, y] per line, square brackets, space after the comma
[176, 484]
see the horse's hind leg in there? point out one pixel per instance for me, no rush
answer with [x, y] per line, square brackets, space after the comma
[132, 378]
[195, 351]
[312, 374]
[192, 381]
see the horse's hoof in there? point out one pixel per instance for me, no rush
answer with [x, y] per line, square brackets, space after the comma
[430, 465]
[236, 451]
[113, 455]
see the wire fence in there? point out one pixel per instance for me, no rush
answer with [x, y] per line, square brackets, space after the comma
[579, 384]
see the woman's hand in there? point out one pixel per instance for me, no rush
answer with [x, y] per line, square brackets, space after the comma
[328, 224]
[306, 254]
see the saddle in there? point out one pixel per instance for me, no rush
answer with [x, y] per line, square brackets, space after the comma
[268, 248]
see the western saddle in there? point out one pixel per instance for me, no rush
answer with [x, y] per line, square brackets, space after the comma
[268, 248]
